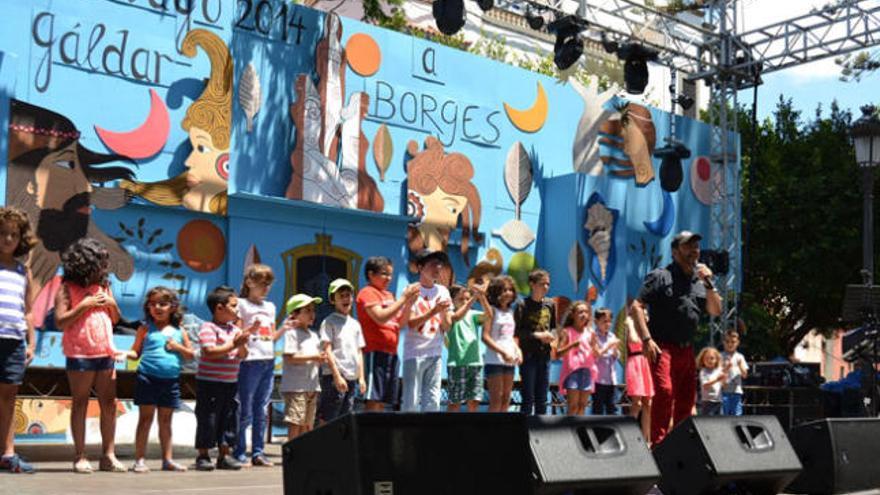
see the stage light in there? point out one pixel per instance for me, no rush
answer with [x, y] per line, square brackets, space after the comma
[449, 15]
[536, 21]
[486, 5]
[609, 45]
[635, 67]
[671, 173]
[568, 47]
[685, 101]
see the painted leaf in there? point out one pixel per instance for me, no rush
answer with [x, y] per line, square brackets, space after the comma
[518, 175]
[249, 94]
[516, 233]
[636, 146]
[576, 263]
[383, 149]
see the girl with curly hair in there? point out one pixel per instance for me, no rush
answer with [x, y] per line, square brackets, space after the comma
[86, 311]
[502, 351]
[16, 330]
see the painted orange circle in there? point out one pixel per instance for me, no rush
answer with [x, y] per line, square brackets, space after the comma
[363, 54]
[201, 246]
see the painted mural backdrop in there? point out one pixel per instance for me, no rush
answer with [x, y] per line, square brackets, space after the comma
[195, 137]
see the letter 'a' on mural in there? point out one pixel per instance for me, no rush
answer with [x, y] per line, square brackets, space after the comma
[192, 142]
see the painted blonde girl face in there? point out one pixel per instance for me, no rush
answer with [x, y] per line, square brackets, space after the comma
[442, 210]
[207, 164]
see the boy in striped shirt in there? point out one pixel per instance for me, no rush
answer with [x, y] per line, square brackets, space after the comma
[223, 345]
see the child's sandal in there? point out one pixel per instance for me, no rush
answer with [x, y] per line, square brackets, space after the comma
[168, 465]
[112, 465]
[82, 466]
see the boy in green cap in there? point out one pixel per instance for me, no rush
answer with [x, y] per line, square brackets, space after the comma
[302, 361]
[343, 341]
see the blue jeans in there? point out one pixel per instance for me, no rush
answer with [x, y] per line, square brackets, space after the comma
[534, 375]
[255, 379]
[421, 384]
[731, 404]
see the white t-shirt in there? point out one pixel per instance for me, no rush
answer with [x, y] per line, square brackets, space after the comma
[734, 376]
[502, 332]
[427, 339]
[261, 345]
[301, 377]
[712, 393]
[347, 339]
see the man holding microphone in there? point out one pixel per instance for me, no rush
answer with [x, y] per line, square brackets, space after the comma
[675, 296]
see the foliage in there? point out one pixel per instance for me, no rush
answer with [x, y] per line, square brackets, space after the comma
[805, 224]
[854, 66]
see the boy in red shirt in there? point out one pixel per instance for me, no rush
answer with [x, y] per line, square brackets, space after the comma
[381, 318]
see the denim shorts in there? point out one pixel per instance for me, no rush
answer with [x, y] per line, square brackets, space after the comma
[12, 361]
[161, 392]
[497, 369]
[90, 364]
[579, 379]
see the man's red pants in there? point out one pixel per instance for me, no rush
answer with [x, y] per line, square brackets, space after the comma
[675, 388]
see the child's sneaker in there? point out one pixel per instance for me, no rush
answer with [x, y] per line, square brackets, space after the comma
[228, 462]
[140, 466]
[15, 464]
[261, 460]
[204, 464]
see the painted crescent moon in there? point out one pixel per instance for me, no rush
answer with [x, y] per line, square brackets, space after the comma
[147, 139]
[531, 119]
[663, 224]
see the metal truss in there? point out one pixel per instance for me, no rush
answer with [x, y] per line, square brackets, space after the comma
[709, 47]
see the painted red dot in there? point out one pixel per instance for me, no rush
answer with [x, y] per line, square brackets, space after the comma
[704, 170]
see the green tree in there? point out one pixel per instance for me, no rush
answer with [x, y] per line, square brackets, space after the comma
[804, 229]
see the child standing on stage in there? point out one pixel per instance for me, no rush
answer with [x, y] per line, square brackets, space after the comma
[577, 347]
[639, 383]
[502, 350]
[736, 367]
[464, 362]
[300, 382]
[161, 347]
[257, 373]
[381, 317]
[609, 352]
[86, 312]
[343, 342]
[712, 378]
[223, 345]
[429, 319]
[535, 328]
[17, 341]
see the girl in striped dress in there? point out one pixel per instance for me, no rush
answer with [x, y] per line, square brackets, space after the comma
[16, 332]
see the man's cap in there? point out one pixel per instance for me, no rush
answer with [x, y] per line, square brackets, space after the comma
[426, 255]
[338, 284]
[298, 301]
[684, 237]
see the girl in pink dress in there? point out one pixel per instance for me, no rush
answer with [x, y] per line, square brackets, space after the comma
[86, 311]
[639, 384]
[577, 347]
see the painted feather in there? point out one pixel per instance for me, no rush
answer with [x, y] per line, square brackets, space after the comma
[249, 94]
[383, 149]
[576, 263]
[518, 175]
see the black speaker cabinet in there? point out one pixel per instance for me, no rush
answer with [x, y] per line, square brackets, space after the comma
[718, 454]
[839, 455]
[464, 454]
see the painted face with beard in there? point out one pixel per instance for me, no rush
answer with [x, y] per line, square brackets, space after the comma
[63, 194]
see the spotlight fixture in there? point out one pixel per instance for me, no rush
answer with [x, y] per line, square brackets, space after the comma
[671, 173]
[449, 15]
[609, 45]
[568, 47]
[536, 21]
[635, 67]
[486, 5]
[685, 101]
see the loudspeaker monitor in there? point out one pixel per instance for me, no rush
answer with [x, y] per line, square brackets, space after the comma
[463, 453]
[839, 455]
[717, 454]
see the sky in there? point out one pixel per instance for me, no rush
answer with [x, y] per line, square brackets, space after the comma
[807, 85]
